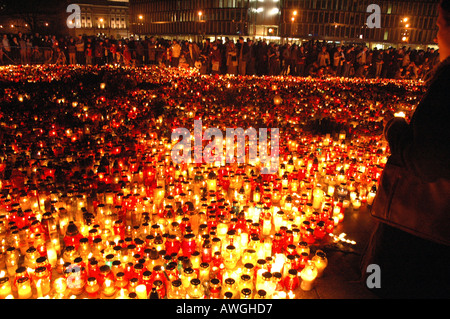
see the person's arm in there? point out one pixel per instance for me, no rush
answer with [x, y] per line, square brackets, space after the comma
[423, 146]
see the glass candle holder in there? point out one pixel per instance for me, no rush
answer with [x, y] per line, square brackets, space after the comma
[245, 281]
[186, 276]
[204, 272]
[42, 282]
[92, 288]
[5, 287]
[215, 288]
[141, 291]
[308, 276]
[230, 257]
[320, 261]
[260, 294]
[188, 245]
[24, 290]
[229, 286]
[60, 287]
[176, 290]
[246, 293]
[292, 282]
[195, 289]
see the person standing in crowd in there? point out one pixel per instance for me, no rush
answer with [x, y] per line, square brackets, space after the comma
[89, 53]
[205, 56]
[7, 49]
[242, 50]
[262, 58]
[349, 61]
[301, 61]
[274, 59]
[338, 61]
[251, 64]
[72, 50]
[232, 58]
[127, 55]
[323, 59]
[378, 59]
[152, 47]
[1, 53]
[139, 53]
[361, 63]
[15, 49]
[294, 60]
[193, 54]
[286, 59]
[216, 59]
[80, 55]
[23, 49]
[175, 49]
[386, 70]
[47, 49]
[29, 49]
[99, 53]
[107, 51]
[414, 262]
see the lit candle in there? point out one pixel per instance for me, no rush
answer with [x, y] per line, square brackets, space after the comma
[141, 291]
[24, 288]
[92, 287]
[204, 272]
[108, 288]
[330, 190]
[60, 286]
[5, 287]
[317, 198]
[279, 295]
[308, 275]
[320, 261]
[356, 203]
[52, 255]
[222, 230]
[39, 288]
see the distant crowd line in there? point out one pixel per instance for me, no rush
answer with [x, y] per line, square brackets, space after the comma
[243, 57]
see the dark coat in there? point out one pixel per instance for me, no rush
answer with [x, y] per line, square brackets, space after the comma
[412, 267]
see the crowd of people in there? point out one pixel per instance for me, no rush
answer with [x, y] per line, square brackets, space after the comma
[245, 57]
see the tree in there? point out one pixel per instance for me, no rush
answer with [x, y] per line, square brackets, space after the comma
[36, 14]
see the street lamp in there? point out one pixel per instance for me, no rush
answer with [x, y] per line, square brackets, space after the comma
[405, 31]
[140, 17]
[294, 15]
[200, 13]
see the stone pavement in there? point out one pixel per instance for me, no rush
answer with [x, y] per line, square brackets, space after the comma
[340, 279]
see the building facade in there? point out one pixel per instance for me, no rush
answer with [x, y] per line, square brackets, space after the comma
[103, 18]
[403, 22]
[189, 19]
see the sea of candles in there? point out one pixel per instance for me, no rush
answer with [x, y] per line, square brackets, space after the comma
[92, 205]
